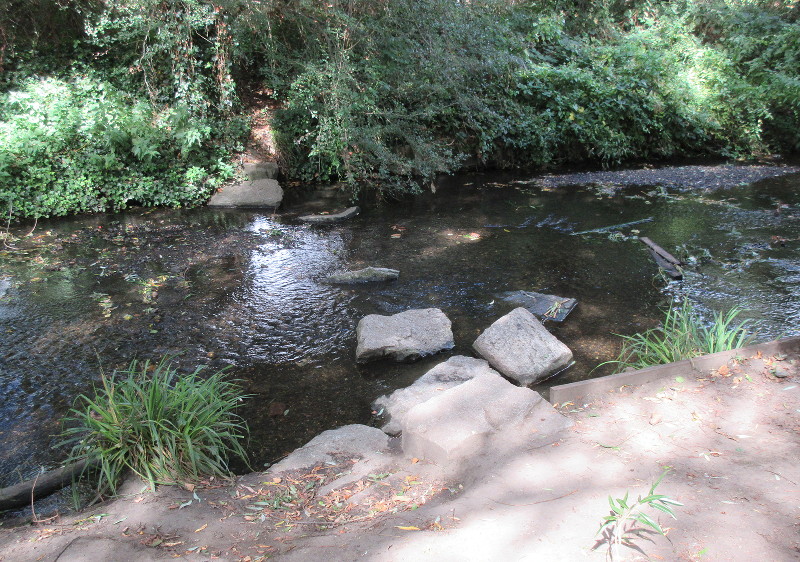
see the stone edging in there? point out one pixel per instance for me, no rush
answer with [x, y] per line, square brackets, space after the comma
[575, 391]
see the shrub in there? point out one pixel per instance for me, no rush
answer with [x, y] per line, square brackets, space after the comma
[82, 145]
[165, 427]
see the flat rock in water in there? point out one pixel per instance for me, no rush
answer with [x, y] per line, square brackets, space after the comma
[521, 348]
[333, 217]
[261, 170]
[453, 372]
[264, 193]
[366, 275]
[350, 441]
[545, 307]
[461, 422]
[406, 336]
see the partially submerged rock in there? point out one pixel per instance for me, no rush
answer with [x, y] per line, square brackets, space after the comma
[545, 307]
[263, 193]
[406, 336]
[460, 422]
[366, 275]
[521, 348]
[350, 441]
[453, 372]
[333, 217]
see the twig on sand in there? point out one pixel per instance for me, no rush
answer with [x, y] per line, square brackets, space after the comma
[534, 503]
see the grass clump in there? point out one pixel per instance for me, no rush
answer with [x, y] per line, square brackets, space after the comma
[164, 427]
[683, 335]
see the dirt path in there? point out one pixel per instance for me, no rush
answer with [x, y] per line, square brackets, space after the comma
[730, 439]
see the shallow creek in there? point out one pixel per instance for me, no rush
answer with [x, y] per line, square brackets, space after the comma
[243, 289]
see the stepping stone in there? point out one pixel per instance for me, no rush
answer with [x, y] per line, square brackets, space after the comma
[406, 336]
[545, 307]
[453, 372]
[256, 194]
[366, 275]
[521, 348]
[462, 421]
[351, 441]
[331, 218]
[260, 170]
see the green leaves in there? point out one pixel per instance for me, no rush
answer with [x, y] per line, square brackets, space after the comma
[165, 427]
[624, 514]
[683, 335]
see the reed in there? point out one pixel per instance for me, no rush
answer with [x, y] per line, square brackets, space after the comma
[683, 335]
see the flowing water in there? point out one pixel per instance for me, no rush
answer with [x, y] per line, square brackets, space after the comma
[243, 289]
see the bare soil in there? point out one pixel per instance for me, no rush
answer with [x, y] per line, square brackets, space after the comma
[729, 438]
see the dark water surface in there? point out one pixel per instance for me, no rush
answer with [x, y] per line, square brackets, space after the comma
[242, 289]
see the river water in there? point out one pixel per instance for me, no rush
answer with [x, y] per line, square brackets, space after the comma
[243, 290]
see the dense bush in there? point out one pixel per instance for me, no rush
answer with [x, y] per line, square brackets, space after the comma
[81, 145]
[383, 93]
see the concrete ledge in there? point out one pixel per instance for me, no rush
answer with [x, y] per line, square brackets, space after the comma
[575, 391]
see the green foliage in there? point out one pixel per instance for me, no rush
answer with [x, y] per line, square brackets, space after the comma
[163, 426]
[82, 145]
[390, 94]
[624, 514]
[682, 336]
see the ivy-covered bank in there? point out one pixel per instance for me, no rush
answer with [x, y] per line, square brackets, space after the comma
[109, 103]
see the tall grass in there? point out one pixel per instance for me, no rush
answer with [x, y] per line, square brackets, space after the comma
[683, 335]
[165, 427]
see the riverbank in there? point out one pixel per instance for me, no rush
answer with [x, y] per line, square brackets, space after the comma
[728, 437]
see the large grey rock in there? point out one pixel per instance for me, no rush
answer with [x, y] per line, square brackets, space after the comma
[366, 275]
[250, 194]
[462, 421]
[521, 348]
[333, 217]
[350, 441]
[406, 336]
[451, 373]
[261, 170]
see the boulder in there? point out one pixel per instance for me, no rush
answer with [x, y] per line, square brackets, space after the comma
[261, 170]
[442, 377]
[366, 275]
[521, 348]
[261, 193]
[546, 307]
[333, 217]
[406, 336]
[461, 422]
[350, 441]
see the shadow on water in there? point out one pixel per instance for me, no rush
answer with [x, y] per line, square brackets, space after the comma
[245, 290]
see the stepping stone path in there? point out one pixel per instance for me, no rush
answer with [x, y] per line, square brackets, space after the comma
[406, 336]
[260, 191]
[521, 348]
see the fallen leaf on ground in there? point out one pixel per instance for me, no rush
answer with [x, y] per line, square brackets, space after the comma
[407, 528]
